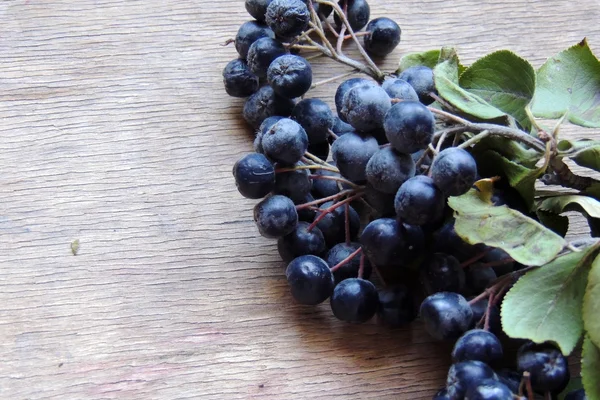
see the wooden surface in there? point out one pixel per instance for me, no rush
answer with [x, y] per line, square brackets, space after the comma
[116, 131]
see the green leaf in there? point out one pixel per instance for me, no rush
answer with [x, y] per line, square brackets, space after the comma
[570, 82]
[545, 304]
[445, 76]
[520, 177]
[584, 152]
[426, 58]
[524, 239]
[591, 303]
[504, 80]
[560, 204]
[509, 149]
[588, 206]
[557, 223]
[593, 190]
[590, 370]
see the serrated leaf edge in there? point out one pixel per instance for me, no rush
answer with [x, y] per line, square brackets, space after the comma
[593, 250]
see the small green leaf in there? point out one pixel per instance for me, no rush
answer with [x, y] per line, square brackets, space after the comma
[584, 152]
[560, 204]
[426, 58]
[524, 239]
[570, 82]
[445, 76]
[557, 223]
[520, 177]
[509, 149]
[593, 190]
[588, 206]
[504, 80]
[545, 304]
[591, 303]
[590, 369]
[75, 247]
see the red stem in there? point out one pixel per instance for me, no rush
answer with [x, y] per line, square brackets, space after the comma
[475, 258]
[347, 222]
[361, 269]
[346, 260]
[330, 209]
[324, 199]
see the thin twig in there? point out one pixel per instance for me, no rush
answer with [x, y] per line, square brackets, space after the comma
[332, 79]
[475, 139]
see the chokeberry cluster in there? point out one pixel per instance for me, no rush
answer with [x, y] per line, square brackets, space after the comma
[356, 197]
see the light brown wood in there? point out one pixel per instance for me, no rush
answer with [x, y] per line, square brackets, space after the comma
[116, 131]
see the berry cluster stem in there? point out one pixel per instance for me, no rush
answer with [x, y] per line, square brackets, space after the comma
[346, 260]
[331, 209]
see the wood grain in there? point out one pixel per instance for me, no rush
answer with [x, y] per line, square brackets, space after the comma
[116, 131]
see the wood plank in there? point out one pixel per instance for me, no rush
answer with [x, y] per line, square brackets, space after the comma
[116, 131]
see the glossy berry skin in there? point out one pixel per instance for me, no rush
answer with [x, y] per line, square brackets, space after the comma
[578, 394]
[383, 36]
[306, 214]
[301, 242]
[294, 184]
[479, 277]
[409, 126]
[316, 118]
[365, 106]
[512, 379]
[340, 128]
[442, 273]
[290, 76]
[464, 375]
[418, 201]
[477, 345]
[399, 89]
[341, 251]
[421, 79]
[333, 225]
[262, 129]
[383, 242]
[262, 53]
[489, 389]
[382, 203]
[326, 187]
[446, 315]
[354, 300]
[310, 279]
[387, 169]
[343, 88]
[454, 171]
[358, 13]
[239, 81]
[549, 369]
[254, 176]
[396, 306]
[285, 142]
[496, 255]
[446, 240]
[264, 104]
[351, 154]
[479, 309]
[275, 216]
[248, 33]
[442, 394]
[287, 18]
[257, 8]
